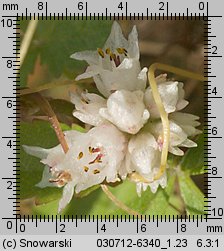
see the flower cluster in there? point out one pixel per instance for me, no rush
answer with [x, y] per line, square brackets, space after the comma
[126, 138]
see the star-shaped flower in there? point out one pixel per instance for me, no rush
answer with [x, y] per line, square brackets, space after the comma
[92, 157]
[116, 66]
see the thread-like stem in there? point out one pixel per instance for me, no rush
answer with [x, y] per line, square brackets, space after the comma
[26, 41]
[46, 108]
[164, 119]
[178, 71]
[118, 203]
[163, 114]
[160, 106]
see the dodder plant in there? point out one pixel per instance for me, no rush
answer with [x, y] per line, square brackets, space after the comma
[133, 128]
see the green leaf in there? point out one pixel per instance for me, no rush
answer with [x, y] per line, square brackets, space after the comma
[191, 194]
[65, 127]
[193, 160]
[56, 40]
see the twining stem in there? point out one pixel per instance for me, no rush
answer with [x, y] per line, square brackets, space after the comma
[164, 118]
[46, 108]
[118, 202]
[177, 71]
[163, 114]
[160, 106]
[26, 41]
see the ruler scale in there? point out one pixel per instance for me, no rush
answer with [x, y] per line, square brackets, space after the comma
[97, 232]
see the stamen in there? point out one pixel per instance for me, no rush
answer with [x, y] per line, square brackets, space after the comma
[53, 180]
[112, 56]
[61, 183]
[95, 171]
[80, 155]
[94, 150]
[122, 51]
[100, 52]
[86, 169]
[84, 100]
[108, 51]
[117, 61]
[97, 159]
[62, 178]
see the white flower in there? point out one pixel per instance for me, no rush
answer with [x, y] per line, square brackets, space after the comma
[132, 146]
[87, 107]
[143, 158]
[116, 66]
[187, 122]
[182, 125]
[126, 110]
[92, 158]
[162, 181]
[171, 93]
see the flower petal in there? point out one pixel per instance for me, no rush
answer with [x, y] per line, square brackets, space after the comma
[172, 95]
[145, 156]
[119, 71]
[128, 75]
[36, 151]
[162, 181]
[133, 48]
[91, 57]
[187, 121]
[90, 72]
[178, 135]
[102, 151]
[116, 38]
[126, 110]
[87, 107]
[181, 103]
[68, 191]
[189, 143]
[45, 179]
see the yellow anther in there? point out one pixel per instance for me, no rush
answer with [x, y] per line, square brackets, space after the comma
[112, 56]
[95, 171]
[84, 101]
[122, 51]
[86, 169]
[80, 155]
[108, 51]
[100, 52]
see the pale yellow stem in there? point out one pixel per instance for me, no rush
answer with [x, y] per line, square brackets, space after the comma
[164, 118]
[178, 71]
[118, 203]
[26, 41]
[160, 106]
